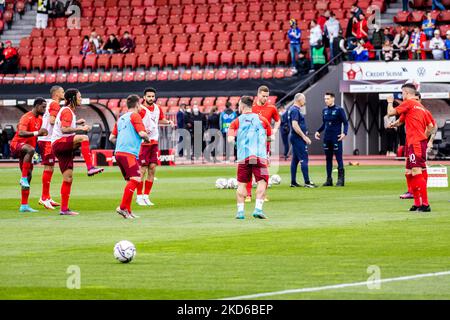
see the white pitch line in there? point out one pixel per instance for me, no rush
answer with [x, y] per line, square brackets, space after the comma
[339, 286]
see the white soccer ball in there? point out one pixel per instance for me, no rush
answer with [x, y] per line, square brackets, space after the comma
[275, 179]
[221, 183]
[124, 251]
[232, 183]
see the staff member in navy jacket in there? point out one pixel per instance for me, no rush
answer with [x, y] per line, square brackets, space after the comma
[299, 140]
[333, 118]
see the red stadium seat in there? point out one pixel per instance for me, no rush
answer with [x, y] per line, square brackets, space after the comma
[251, 45]
[171, 59]
[38, 62]
[196, 38]
[246, 26]
[90, 61]
[182, 38]
[199, 58]
[269, 57]
[117, 76]
[191, 28]
[51, 62]
[64, 62]
[416, 16]
[402, 17]
[213, 58]
[37, 51]
[94, 77]
[254, 57]
[283, 57]
[180, 47]
[130, 61]
[128, 76]
[222, 46]
[143, 60]
[185, 100]
[444, 17]
[241, 58]
[185, 59]
[265, 45]
[157, 60]
[117, 61]
[261, 26]
[280, 45]
[251, 36]
[48, 51]
[208, 46]
[173, 102]
[232, 27]
[162, 102]
[106, 77]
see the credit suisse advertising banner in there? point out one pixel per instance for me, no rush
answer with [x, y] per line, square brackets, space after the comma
[422, 71]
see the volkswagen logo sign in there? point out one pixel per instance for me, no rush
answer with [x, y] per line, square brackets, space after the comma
[421, 71]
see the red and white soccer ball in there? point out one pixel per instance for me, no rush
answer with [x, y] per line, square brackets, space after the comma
[352, 71]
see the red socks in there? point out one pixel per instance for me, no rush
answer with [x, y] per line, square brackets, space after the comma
[26, 166]
[25, 195]
[249, 189]
[419, 186]
[128, 194]
[65, 194]
[46, 180]
[148, 187]
[86, 153]
[139, 188]
[408, 183]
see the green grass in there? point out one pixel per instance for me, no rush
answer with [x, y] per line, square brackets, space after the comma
[189, 246]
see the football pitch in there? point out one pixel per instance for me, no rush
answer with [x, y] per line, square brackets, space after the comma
[189, 246]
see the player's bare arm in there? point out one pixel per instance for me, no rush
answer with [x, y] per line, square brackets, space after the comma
[113, 138]
[390, 107]
[144, 136]
[26, 134]
[167, 122]
[68, 130]
[299, 131]
[81, 122]
[276, 127]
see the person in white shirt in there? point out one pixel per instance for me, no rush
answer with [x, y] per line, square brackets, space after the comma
[437, 46]
[315, 35]
[332, 28]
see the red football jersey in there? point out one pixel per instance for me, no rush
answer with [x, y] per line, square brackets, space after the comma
[267, 110]
[28, 122]
[416, 118]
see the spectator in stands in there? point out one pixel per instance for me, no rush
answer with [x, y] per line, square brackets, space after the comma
[390, 134]
[200, 121]
[355, 11]
[428, 25]
[353, 43]
[437, 46]
[437, 4]
[180, 125]
[360, 53]
[387, 51]
[11, 58]
[350, 30]
[377, 39]
[405, 4]
[97, 40]
[323, 18]
[126, 43]
[447, 46]
[387, 32]
[5, 145]
[362, 29]
[416, 44]
[112, 45]
[332, 28]
[2, 6]
[213, 122]
[88, 47]
[294, 35]
[315, 35]
[369, 47]
[401, 42]
[339, 46]
[57, 9]
[2, 58]
[319, 59]
[42, 14]
[303, 64]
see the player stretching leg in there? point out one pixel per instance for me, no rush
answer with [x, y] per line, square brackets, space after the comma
[262, 107]
[23, 145]
[45, 146]
[252, 132]
[419, 125]
[151, 116]
[126, 135]
[65, 141]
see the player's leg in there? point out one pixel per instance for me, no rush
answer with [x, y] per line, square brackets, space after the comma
[417, 161]
[338, 152]
[294, 163]
[140, 196]
[26, 166]
[66, 188]
[261, 173]
[244, 175]
[328, 149]
[148, 184]
[408, 194]
[130, 171]
[82, 141]
[248, 187]
[304, 165]
[48, 160]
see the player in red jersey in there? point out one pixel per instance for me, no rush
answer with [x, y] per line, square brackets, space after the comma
[409, 194]
[152, 115]
[419, 126]
[65, 140]
[45, 146]
[127, 135]
[23, 145]
[268, 111]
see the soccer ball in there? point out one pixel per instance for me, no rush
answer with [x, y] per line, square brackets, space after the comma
[124, 251]
[232, 183]
[221, 183]
[275, 179]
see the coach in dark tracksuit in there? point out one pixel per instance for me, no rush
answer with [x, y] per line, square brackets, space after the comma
[299, 141]
[333, 118]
